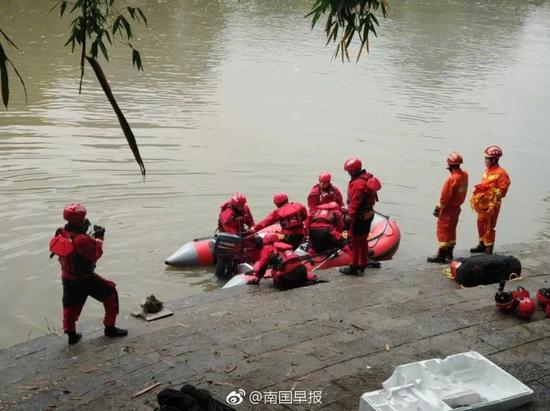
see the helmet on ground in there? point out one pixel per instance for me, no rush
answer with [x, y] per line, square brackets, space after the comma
[543, 296]
[454, 159]
[74, 213]
[280, 198]
[505, 302]
[352, 164]
[270, 238]
[324, 177]
[493, 152]
[526, 307]
[521, 292]
[238, 200]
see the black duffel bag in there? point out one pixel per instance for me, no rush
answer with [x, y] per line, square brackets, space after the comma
[189, 398]
[486, 269]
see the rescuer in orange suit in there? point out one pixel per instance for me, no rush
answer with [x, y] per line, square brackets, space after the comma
[447, 211]
[495, 181]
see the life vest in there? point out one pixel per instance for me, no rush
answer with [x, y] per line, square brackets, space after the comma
[62, 245]
[325, 196]
[284, 259]
[485, 199]
[324, 216]
[370, 196]
[290, 216]
[236, 219]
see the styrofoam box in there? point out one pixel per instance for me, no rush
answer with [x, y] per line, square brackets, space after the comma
[465, 381]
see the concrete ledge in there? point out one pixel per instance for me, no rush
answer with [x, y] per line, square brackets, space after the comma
[342, 338]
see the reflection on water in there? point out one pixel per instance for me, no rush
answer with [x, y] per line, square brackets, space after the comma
[243, 96]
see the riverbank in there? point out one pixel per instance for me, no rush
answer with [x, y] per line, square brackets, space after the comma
[337, 340]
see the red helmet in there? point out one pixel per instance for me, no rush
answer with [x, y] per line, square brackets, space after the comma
[324, 177]
[74, 213]
[543, 296]
[493, 152]
[270, 238]
[526, 307]
[238, 200]
[454, 159]
[280, 198]
[352, 164]
[520, 292]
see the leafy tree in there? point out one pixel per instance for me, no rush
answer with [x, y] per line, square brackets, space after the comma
[96, 25]
[345, 19]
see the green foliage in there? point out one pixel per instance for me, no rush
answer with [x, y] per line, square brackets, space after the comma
[98, 23]
[347, 18]
[4, 75]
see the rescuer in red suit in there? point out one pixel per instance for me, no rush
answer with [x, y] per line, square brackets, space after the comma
[362, 195]
[447, 210]
[291, 216]
[235, 216]
[323, 193]
[78, 253]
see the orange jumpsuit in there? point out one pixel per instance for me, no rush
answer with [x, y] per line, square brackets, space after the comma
[493, 177]
[453, 194]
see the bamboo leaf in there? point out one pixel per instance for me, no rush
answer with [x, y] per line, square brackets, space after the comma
[103, 50]
[4, 81]
[136, 60]
[142, 15]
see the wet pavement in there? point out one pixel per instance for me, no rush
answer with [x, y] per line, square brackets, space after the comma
[332, 342]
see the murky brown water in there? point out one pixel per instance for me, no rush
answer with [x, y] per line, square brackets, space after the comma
[243, 96]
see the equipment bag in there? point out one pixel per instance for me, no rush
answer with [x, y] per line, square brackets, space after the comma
[485, 269]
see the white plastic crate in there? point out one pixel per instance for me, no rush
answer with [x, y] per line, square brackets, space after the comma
[465, 381]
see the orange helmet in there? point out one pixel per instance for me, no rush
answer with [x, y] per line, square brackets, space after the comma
[493, 152]
[352, 164]
[238, 200]
[454, 159]
[324, 177]
[279, 199]
[74, 213]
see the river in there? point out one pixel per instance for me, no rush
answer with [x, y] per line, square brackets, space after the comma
[244, 96]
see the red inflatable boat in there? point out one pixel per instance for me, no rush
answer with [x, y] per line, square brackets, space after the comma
[383, 242]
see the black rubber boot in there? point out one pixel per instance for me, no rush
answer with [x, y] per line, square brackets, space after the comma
[112, 331]
[480, 248]
[350, 270]
[74, 337]
[449, 254]
[489, 249]
[440, 257]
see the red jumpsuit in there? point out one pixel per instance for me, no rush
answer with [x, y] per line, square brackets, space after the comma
[287, 269]
[319, 196]
[452, 196]
[291, 216]
[361, 200]
[325, 227]
[498, 178]
[234, 221]
[78, 254]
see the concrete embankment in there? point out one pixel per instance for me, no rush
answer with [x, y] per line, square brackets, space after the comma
[331, 341]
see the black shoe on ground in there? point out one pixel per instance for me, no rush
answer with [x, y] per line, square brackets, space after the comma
[480, 248]
[437, 259]
[350, 270]
[489, 249]
[74, 337]
[373, 264]
[112, 331]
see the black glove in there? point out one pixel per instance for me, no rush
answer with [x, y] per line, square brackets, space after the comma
[436, 211]
[99, 232]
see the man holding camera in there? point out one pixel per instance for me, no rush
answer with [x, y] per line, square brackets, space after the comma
[78, 253]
